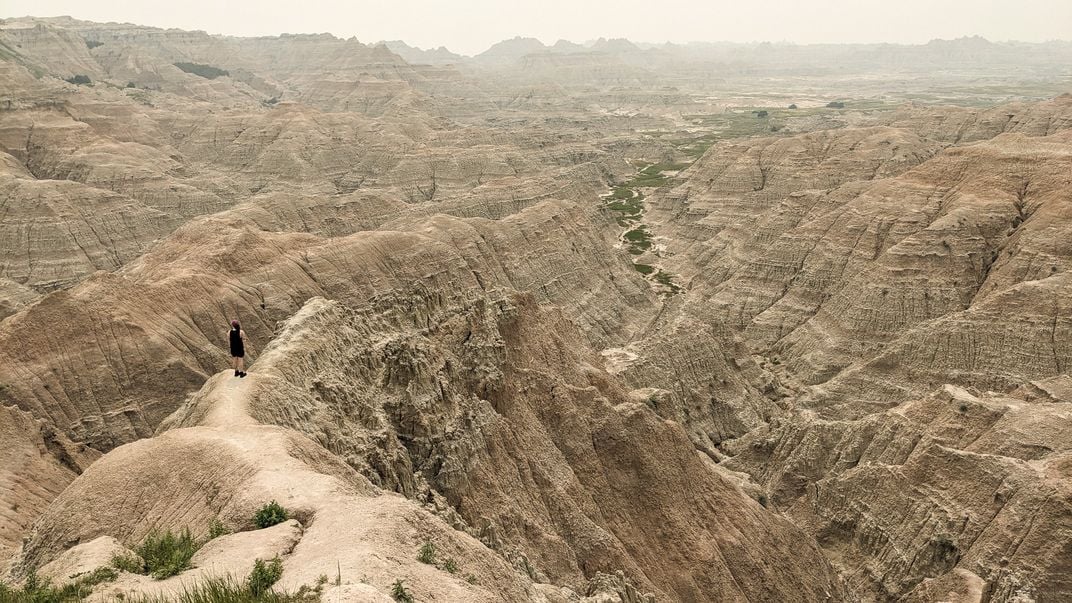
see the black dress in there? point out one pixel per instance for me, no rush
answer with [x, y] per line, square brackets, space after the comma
[238, 349]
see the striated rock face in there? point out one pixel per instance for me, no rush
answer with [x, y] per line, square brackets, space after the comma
[489, 410]
[38, 463]
[169, 303]
[844, 279]
[929, 490]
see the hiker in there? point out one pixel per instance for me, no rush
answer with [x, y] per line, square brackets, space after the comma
[238, 349]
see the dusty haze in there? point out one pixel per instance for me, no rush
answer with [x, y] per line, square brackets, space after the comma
[470, 26]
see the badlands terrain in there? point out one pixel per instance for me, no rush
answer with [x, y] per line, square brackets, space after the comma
[603, 322]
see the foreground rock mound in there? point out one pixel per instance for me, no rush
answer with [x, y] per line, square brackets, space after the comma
[488, 409]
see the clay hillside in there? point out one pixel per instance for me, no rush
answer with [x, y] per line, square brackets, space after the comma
[598, 323]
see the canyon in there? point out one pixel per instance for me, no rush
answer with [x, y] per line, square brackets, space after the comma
[597, 323]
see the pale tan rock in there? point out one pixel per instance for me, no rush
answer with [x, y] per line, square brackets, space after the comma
[84, 558]
[234, 554]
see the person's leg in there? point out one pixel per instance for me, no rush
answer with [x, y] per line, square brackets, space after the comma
[242, 367]
[234, 365]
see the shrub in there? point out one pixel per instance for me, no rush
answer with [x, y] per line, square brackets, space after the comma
[427, 553]
[269, 515]
[217, 529]
[167, 554]
[793, 106]
[399, 592]
[263, 576]
[78, 80]
[93, 44]
[205, 71]
[128, 563]
[450, 566]
[761, 113]
[835, 105]
[471, 579]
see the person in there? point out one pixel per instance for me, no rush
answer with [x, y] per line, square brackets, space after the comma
[238, 349]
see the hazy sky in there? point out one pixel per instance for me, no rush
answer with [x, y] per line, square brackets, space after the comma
[470, 26]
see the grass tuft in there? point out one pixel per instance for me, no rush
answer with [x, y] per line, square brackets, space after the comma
[400, 593]
[217, 529]
[427, 553]
[264, 576]
[162, 555]
[269, 515]
[36, 590]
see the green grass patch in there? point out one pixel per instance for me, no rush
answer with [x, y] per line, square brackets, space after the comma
[128, 563]
[269, 515]
[427, 553]
[217, 529]
[667, 280]
[644, 269]
[163, 554]
[36, 590]
[257, 588]
[638, 238]
[264, 576]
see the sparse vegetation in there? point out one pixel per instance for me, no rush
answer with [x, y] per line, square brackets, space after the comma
[264, 576]
[638, 240]
[667, 280]
[400, 593]
[761, 113]
[166, 554]
[644, 269]
[217, 529]
[205, 71]
[835, 105]
[78, 80]
[450, 566]
[91, 44]
[35, 590]
[470, 578]
[128, 563]
[230, 590]
[427, 553]
[269, 515]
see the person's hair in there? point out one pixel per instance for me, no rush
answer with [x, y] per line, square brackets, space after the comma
[234, 323]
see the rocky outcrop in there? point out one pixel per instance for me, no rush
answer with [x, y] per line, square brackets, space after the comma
[495, 414]
[947, 484]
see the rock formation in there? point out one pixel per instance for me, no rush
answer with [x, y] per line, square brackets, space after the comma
[601, 322]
